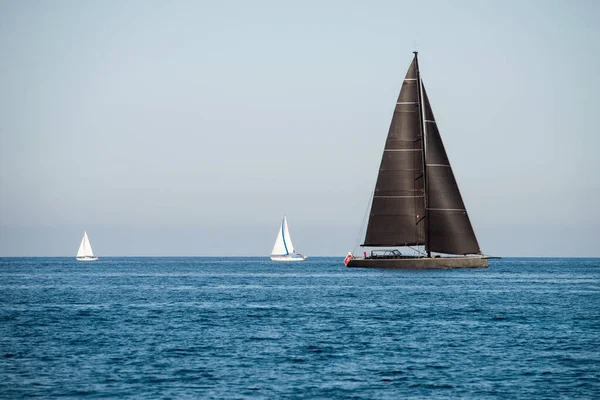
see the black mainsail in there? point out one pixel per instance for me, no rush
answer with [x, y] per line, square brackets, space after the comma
[399, 199]
[416, 200]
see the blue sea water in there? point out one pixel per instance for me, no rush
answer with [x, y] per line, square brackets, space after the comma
[250, 328]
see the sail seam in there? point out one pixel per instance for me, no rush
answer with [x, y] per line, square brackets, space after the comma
[407, 102]
[397, 197]
[402, 150]
[430, 120]
[447, 209]
[399, 169]
[437, 165]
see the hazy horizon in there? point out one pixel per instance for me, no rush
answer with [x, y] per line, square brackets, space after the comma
[190, 128]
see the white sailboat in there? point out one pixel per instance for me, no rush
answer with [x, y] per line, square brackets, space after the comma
[85, 252]
[283, 250]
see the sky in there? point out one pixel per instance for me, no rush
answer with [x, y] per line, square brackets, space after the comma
[189, 128]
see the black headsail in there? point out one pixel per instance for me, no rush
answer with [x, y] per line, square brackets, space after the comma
[449, 229]
[398, 202]
[413, 204]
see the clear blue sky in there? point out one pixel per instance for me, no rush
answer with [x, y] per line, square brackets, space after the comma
[192, 127]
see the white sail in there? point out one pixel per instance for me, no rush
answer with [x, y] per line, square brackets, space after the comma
[85, 248]
[287, 237]
[280, 247]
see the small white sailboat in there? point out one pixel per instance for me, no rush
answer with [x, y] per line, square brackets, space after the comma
[283, 250]
[85, 252]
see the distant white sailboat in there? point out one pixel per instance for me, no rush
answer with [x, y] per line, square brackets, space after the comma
[283, 250]
[85, 252]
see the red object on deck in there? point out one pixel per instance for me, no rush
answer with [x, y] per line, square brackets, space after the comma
[348, 258]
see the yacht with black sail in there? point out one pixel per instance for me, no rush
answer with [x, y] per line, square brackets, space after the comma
[416, 203]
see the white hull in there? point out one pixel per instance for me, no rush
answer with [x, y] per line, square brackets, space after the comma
[87, 258]
[289, 258]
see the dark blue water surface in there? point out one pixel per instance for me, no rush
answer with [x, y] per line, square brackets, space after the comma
[251, 328]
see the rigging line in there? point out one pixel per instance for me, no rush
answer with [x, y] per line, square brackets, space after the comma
[363, 222]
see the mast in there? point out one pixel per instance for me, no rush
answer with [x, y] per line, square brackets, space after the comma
[423, 149]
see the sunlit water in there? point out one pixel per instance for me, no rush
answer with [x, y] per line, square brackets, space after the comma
[251, 328]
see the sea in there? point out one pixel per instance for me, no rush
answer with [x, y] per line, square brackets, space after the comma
[250, 328]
